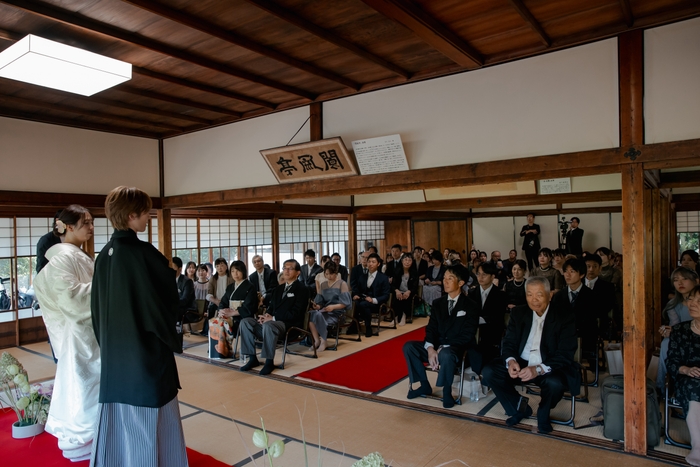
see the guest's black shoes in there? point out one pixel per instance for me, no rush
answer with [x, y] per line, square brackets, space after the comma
[544, 427]
[422, 391]
[524, 411]
[447, 400]
[252, 363]
[268, 367]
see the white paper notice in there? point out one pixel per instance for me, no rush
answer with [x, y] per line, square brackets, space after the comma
[555, 185]
[380, 155]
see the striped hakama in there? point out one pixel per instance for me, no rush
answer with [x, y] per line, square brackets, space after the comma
[131, 436]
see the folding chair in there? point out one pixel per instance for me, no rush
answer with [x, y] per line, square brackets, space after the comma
[671, 403]
[195, 316]
[345, 323]
[385, 313]
[459, 371]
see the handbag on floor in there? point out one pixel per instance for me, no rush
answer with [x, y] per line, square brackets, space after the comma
[612, 397]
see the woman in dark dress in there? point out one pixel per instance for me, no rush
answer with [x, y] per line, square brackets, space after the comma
[683, 363]
[404, 287]
[515, 288]
[531, 241]
[239, 301]
[134, 313]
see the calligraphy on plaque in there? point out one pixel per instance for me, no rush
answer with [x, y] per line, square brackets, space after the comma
[380, 155]
[326, 158]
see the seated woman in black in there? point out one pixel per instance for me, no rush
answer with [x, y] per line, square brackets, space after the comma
[515, 288]
[239, 301]
[404, 287]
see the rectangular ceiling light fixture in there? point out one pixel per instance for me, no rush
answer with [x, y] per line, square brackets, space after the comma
[47, 63]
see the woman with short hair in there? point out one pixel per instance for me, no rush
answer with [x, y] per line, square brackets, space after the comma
[330, 305]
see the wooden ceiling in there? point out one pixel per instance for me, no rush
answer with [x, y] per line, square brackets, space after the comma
[199, 64]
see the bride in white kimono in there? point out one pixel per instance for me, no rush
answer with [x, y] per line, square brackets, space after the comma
[63, 289]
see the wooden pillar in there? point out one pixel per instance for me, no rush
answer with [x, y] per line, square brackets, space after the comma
[673, 238]
[656, 265]
[316, 121]
[276, 243]
[631, 71]
[165, 235]
[634, 300]
[351, 260]
[470, 235]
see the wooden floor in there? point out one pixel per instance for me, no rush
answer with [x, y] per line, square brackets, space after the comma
[220, 407]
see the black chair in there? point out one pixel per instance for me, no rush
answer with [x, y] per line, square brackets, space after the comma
[347, 321]
[671, 403]
[385, 313]
[195, 316]
[459, 371]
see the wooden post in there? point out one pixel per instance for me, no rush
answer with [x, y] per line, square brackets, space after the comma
[165, 236]
[276, 243]
[316, 121]
[631, 74]
[351, 260]
[673, 234]
[656, 264]
[470, 235]
[634, 300]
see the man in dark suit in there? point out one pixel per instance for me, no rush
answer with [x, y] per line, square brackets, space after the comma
[309, 270]
[421, 264]
[395, 264]
[603, 293]
[538, 348]
[579, 299]
[263, 279]
[450, 332]
[574, 238]
[358, 274]
[372, 293]
[342, 270]
[492, 303]
[185, 288]
[45, 242]
[289, 302]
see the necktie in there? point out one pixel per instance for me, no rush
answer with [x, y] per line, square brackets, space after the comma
[364, 270]
[286, 289]
[370, 279]
[574, 296]
[450, 306]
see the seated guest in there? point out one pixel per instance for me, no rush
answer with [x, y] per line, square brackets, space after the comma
[483, 257]
[217, 288]
[263, 279]
[289, 302]
[451, 330]
[201, 285]
[492, 303]
[342, 270]
[538, 348]
[359, 274]
[185, 287]
[372, 293]
[515, 288]
[320, 278]
[393, 264]
[683, 365]
[691, 260]
[404, 288]
[579, 300]
[545, 269]
[310, 270]
[603, 294]
[191, 271]
[509, 263]
[432, 286]
[558, 258]
[609, 273]
[421, 264]
[239, 301]
[501, 276]
[330, 305]
[474, 254]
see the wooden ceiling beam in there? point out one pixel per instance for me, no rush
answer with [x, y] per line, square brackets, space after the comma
[202, 87]
[491, 202]
[176, 100]
[627, 12]
[594, 162]
[292, 18]
[74, 19]
[531, 21]
[680, 180]
[34, 117]
[429, 30]
[236, 39]
[62, 107]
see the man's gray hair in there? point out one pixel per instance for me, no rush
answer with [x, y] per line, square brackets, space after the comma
[538, 280]
[257, 256]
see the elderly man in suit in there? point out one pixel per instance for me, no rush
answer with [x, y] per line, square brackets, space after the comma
[288, 304]
[450, 332]
[263, 279]
[538, 348]
[492, 303]
[371, 293]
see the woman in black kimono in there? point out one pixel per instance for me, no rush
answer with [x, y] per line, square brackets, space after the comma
[134, 314]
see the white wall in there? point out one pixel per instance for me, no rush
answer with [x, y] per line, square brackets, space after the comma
[555, 103]
[672, 82]
[229, 156]
[51, 158]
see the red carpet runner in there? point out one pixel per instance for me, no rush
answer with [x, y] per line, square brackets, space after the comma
[42, 450]
[369, 370]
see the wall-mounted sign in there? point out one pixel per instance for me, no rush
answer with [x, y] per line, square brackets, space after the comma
[327, 158]
[380, 155]
[552, 186]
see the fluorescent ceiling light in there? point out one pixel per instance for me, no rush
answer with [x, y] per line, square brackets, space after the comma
[47, 63]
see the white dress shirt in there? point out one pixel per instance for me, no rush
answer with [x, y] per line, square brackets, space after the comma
[590, 283]
[531, 351]
[580, 286]
[485, 294]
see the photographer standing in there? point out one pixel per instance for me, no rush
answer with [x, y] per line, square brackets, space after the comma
[574, 238]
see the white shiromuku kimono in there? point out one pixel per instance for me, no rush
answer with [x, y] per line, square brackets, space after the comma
[63, 289]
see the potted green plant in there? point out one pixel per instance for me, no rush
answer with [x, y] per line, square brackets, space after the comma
[30, 402]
